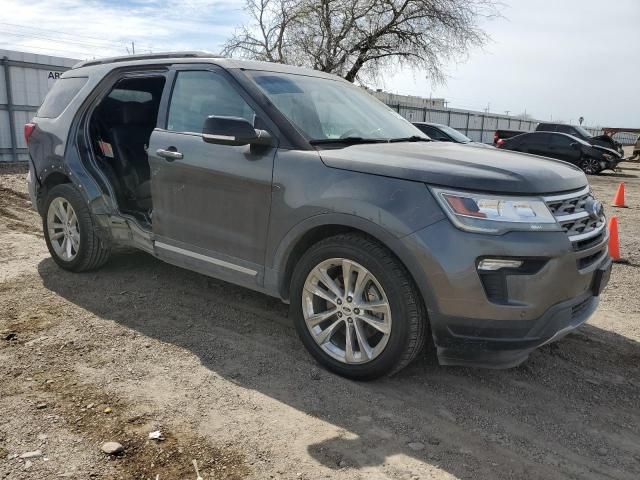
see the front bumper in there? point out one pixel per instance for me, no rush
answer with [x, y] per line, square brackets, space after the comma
[471, 328]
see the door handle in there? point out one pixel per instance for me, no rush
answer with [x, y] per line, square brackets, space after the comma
[170, 154]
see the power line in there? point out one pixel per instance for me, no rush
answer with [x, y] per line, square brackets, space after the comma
[58, 40]
[57, 50]
[76, 35]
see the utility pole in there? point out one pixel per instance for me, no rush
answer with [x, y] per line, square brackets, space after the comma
[506, 112]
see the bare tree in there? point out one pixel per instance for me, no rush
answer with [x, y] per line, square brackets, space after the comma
[357, 39]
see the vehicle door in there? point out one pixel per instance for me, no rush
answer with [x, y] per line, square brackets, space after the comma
[211, 202]
[564, 148]
[533, 143]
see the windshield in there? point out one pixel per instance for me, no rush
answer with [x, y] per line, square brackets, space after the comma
[454, 134]
[582, 131]
[324, 109]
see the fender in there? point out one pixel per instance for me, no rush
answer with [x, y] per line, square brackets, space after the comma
[276, 277]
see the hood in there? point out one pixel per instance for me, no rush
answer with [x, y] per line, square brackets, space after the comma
[478, 144]
[610, 151]
[459, 166]
[604, 138]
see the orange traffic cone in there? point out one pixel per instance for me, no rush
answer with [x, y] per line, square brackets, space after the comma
[614, 243]
[618, 199]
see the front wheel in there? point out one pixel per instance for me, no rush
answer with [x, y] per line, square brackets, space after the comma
[356, 309]
[69, 231]
[590, 166]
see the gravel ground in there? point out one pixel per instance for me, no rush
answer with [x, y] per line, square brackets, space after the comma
[141, 346]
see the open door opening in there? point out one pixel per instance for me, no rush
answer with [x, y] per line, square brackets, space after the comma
[120, 128]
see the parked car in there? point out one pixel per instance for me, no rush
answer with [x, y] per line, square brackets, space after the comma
[445, 133]
[300, 185]
[504, 134]
[579, 132]
[592, 159]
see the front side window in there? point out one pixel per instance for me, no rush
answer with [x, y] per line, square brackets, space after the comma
[326, 109]
[199, 94]
[581, 132]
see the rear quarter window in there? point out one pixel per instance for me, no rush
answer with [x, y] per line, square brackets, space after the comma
[60, 95]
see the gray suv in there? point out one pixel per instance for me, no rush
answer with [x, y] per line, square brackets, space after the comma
[296, 183]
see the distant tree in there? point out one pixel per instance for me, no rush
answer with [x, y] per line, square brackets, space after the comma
[358, 39]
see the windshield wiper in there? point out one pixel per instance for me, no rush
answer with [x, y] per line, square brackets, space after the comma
[347, 140]
[412, 138]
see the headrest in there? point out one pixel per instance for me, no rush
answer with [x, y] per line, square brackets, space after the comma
[135, 113]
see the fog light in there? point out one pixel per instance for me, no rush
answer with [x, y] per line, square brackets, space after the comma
[493, 264]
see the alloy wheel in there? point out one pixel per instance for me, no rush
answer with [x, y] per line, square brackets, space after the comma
[346, 310]
[62, 225]
[591, 166]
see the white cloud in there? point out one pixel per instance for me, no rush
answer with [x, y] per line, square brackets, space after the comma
[559, 59]
[86, 29]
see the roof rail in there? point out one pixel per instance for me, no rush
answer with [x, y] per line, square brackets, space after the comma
[149, 56]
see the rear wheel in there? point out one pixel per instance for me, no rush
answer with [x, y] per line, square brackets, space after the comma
[356, 309]
[69, 231]
[590, 166]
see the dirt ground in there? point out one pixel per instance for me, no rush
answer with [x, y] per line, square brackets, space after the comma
[140, 346]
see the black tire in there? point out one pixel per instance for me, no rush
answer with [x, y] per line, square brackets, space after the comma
[92, 252]
[409, 327]
[587, 165]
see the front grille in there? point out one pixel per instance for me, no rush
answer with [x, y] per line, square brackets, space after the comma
[570, 210]
[589, 260]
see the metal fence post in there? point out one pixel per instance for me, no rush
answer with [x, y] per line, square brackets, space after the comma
[10, 110]
[466, 132]
[424, 116]
[449, 118]
[482, 128]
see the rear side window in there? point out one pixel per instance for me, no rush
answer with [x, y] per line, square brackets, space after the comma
[60, 95]
[534, 138]
[561, 141]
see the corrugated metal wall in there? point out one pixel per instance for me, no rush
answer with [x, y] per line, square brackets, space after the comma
[478, 126]
[30, 78]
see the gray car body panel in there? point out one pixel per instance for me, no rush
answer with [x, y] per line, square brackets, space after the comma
[242, 212]
[459, 166]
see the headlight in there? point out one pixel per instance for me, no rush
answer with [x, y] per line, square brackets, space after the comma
[480, 212]
[608, 157]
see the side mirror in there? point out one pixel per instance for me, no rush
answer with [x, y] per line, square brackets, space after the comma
[575, 145]
[233, 131]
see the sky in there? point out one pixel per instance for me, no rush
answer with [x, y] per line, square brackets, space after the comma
[555, 59]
